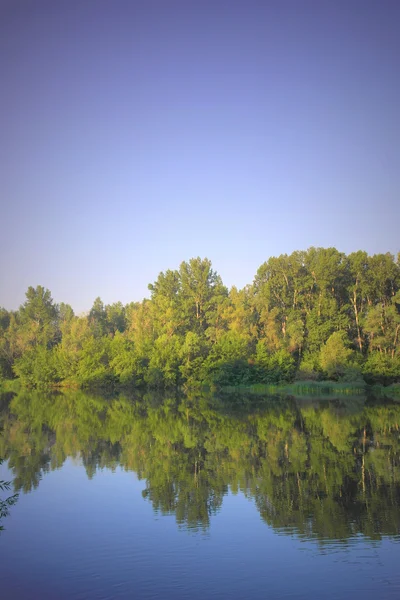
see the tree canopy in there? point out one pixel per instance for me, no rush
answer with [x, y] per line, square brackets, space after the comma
[310, 315]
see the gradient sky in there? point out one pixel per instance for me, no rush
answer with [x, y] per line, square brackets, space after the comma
[138, 134]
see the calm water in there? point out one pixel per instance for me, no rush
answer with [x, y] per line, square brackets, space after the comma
[200, 498]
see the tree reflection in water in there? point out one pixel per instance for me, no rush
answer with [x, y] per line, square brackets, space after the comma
[328, 469]
[8, 502]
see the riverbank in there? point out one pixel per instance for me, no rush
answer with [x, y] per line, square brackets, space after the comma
[318, 388]
[295, 388]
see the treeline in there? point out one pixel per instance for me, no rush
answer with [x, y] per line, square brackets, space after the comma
[311, 315]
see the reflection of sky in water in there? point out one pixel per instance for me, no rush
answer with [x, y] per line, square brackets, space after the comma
[78, 538]
[199, 499]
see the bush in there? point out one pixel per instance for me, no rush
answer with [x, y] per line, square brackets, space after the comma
[382, 368]
[36, 368]
[352, 374]
[334, 355]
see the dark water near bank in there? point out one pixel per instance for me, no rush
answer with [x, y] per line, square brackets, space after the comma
[200, 498]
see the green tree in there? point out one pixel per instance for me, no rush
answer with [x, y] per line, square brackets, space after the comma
[335, 354]
[6, 503]
[37, 367]
[192, 354]
[202, 290]
[125, 363]
[115, 318]
[38, 318]
[7, 354]
[165, 360]
[359, 289]
[98, 318]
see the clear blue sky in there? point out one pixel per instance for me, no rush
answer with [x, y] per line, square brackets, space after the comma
[138, 134]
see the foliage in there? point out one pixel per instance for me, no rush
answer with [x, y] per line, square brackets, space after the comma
[36, 367]
[6, 503]
[335, 355]
[309, 315]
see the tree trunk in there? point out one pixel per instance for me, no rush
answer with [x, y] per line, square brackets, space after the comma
[396, 335]
[354, 303]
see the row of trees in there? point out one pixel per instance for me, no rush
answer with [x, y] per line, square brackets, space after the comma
[330, 469]
[317, 313]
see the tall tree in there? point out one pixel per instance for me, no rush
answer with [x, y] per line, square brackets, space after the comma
[38, 317]
[202, 290]
[98, 318]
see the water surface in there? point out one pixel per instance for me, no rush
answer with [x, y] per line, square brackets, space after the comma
[200, 497]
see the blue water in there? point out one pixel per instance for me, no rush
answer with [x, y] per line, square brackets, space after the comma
[287, 500]
[78, 538]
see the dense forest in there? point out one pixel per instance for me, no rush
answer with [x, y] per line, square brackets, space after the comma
[323, 469]
[313, 314]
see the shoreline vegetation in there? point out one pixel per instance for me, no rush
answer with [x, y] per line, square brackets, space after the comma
[295, 388]
[310, 320]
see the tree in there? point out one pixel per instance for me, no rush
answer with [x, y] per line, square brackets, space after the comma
[98, 318]
[38, 318]
[125, 362]
[192, 354]
[75, 333]
[93, 367]
[382, 325]
[166, 303]
[359, 265]
[335, 354]
[37, 367]
[306, 310]
[202, 289]
[115, 318]
[165, 359]
[6, 503]
[6, 352]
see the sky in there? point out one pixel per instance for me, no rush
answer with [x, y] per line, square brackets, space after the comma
[135, 135]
